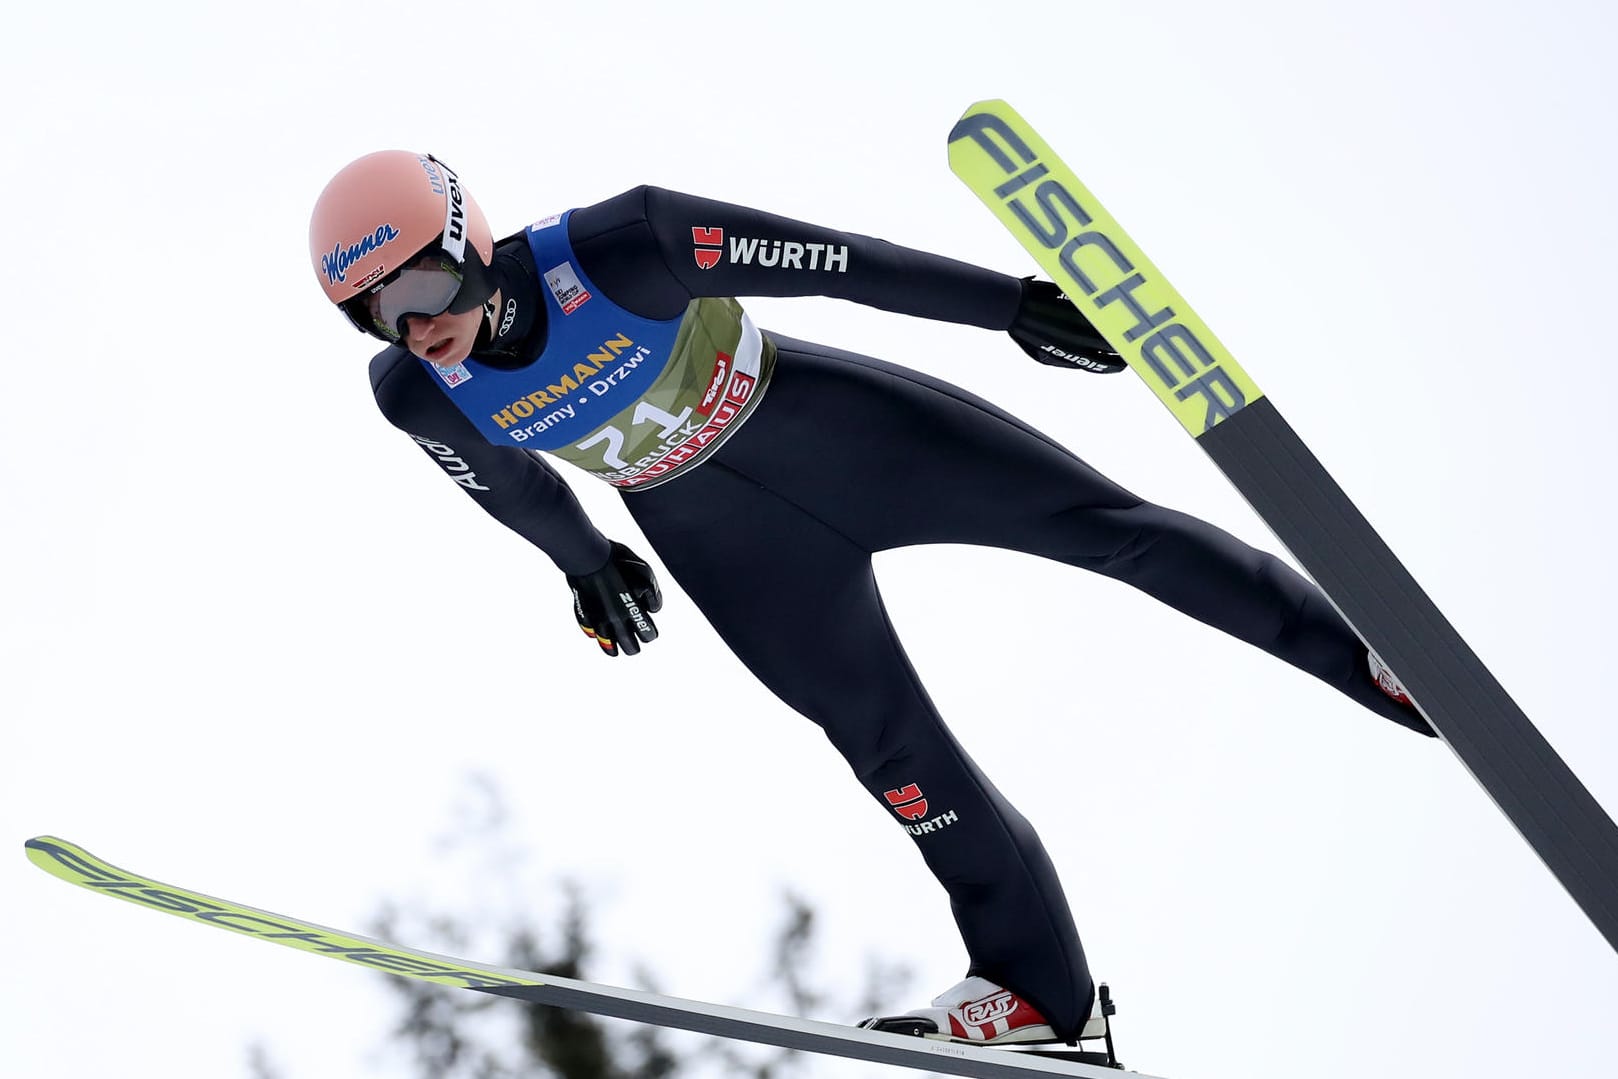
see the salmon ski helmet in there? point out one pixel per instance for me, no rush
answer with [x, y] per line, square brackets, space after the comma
[394, 235]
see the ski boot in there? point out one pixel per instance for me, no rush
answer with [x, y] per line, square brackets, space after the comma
[975, 1010]
[979, 1012]
[1385, 680]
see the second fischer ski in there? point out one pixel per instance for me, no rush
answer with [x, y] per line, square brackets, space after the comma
[1038, 198]
[69, 862]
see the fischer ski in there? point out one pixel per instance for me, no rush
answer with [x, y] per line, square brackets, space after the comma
[75, 865]
[1007, 165]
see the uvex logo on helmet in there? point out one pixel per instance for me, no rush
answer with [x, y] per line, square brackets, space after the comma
[335, 263]
[429, 165]
[443, 181]
[454, 217]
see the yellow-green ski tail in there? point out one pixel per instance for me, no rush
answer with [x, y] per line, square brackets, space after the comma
[74, 864]
[1083, 249]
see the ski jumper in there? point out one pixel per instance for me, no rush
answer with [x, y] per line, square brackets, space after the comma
[768, 520]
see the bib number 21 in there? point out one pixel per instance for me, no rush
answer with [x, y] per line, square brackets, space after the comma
[669, 425]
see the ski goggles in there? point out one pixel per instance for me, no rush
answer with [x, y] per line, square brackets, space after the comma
[425, 286]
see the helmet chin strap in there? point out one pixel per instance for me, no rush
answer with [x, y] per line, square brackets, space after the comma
[509, 313]
[497, 342]
[491, 311]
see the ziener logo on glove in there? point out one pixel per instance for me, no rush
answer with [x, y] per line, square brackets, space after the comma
[633, 610]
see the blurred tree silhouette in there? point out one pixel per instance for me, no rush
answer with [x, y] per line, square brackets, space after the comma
[452, 1034]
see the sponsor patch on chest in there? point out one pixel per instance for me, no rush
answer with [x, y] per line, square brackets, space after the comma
[453, 376]
[565, 286]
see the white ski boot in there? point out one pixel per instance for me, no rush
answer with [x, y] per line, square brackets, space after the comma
[975, 1010]
[1386, 681]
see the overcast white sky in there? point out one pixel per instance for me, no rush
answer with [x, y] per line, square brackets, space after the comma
[251, 642]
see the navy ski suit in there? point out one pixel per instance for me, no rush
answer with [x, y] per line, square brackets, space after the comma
[771, 535]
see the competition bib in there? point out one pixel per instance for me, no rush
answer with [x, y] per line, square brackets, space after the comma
[629, 399]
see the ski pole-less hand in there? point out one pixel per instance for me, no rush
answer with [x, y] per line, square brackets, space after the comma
[615, 604]
[1051, 330]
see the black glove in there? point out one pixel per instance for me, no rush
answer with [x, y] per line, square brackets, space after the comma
[614, 605]
[1054, 332]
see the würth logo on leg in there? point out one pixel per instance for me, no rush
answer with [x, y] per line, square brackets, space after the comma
[907, 802]
[710, 245]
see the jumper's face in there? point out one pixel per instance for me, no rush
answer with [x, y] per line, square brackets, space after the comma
[443, 339]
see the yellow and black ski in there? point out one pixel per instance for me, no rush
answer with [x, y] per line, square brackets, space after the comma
[1083, 249]
[72, 863]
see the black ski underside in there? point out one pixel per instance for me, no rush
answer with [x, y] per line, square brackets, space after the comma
[1287, 486]
[947, 1059]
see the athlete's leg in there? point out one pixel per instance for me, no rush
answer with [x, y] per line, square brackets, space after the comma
[914, 460]
[797, 602]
